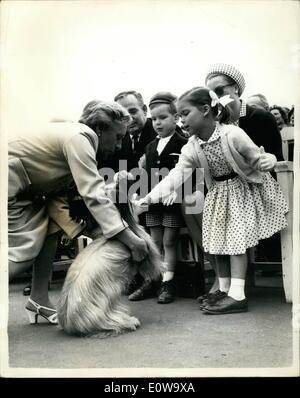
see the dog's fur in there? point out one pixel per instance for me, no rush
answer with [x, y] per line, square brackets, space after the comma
[91, 298]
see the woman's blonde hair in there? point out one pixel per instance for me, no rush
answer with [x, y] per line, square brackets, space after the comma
[98, 115]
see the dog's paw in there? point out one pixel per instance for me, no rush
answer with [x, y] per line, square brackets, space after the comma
[134, 322]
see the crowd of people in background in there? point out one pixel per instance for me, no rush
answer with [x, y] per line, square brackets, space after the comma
[284, 116]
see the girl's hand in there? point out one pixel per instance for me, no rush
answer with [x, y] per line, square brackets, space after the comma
[144, 201]
[168, 201]
[139, 206]
[267, 160]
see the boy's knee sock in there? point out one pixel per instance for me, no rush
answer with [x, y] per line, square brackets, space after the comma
[237, 289]
[167, 273]
[224, 284]
[167, 276]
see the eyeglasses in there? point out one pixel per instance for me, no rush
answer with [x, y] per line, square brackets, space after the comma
[220, 89]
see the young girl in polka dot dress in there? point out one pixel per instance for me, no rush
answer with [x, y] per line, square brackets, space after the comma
[243, 205]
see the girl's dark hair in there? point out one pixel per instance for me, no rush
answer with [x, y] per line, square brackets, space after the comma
[199, 96]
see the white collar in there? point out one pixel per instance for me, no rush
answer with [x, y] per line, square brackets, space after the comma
[135, 135]
[243, 108]
[215, 135]
[162, 143]
[165, 139]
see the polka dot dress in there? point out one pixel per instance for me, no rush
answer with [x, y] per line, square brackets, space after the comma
[238, 214]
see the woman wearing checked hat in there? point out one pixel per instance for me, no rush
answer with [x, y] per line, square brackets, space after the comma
[260, 126]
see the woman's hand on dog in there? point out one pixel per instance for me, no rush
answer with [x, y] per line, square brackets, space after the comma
[136, 245]
[139, 250]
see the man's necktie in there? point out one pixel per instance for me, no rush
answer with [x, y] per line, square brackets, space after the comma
[135, 140]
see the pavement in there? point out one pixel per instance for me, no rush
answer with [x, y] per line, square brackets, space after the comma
[175, 335]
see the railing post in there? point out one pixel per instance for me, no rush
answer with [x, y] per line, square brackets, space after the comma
[285, 178]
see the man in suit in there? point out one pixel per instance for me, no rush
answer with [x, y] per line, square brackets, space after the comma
[139, 132]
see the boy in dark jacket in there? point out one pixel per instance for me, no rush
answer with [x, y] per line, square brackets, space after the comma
[160, 157]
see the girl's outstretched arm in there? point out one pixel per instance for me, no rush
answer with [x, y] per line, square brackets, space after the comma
[177, 176]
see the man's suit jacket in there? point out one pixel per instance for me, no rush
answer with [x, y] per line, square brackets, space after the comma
[147, 135]
[261, 127]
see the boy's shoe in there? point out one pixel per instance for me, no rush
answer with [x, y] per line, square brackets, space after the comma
[166, 292]
[227, 305]
[145, 291]
[135, 283]
[212, 298]
[203, 297]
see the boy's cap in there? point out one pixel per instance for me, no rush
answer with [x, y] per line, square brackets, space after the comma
[230, 71]
[163, 97]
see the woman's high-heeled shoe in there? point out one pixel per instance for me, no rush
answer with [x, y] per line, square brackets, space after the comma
[33, 314]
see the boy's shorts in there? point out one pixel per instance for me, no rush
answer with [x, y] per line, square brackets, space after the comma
[164, 219]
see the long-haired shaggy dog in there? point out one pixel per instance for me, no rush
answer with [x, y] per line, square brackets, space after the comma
[91, 298]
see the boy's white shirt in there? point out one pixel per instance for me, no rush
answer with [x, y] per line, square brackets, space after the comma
[162, 142]
[160, 147]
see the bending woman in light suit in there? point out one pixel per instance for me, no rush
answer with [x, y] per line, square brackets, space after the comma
[42, 167]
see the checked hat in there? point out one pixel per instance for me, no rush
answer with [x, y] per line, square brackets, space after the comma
[230, 71]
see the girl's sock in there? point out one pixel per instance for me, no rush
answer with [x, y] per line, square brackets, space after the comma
[237, 289]
[167, 276]
[224, 284]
